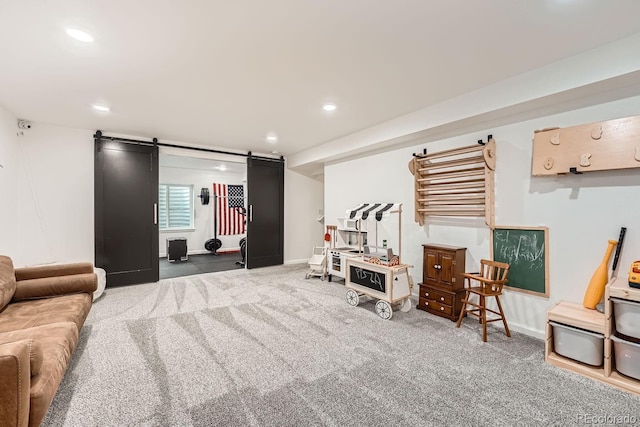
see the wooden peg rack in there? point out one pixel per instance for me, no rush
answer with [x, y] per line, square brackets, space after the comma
[613, 144]
[455, 183]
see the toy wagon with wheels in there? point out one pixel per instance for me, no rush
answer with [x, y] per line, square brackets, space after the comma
[390, 285]
[379, 275]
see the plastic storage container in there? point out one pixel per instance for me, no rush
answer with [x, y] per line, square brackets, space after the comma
[577, 344]
[627, 356]
[627, 315]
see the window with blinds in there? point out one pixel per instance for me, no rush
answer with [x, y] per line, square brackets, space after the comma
[175, 206]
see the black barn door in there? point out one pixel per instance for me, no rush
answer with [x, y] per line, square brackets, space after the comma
[126, 200]
[265, 216]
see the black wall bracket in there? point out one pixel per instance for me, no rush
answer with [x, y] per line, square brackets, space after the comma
[424, 153]
[489, 138]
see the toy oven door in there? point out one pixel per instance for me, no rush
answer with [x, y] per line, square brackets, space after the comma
[336, 266]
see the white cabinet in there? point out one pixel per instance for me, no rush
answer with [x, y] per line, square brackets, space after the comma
[346, 224]
[352, 232]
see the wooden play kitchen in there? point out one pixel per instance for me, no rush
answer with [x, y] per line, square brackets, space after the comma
[380, 275]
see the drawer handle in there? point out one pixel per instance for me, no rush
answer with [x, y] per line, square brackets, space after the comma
[426, 303]
[441, 308]
[441, 298]
[426, 294]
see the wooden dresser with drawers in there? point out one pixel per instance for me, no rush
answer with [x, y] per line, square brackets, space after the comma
[441, 290]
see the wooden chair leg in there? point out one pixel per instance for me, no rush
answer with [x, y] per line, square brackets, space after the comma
[484, 318]
[504, 318]
[462, 310]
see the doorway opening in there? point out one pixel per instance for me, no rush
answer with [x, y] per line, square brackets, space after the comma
[201, 214]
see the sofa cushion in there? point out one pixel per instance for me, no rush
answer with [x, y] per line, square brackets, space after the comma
[53, 270]
[47, 287]
[7, 281]
[58, 342]
[27, 314]
[35, 356]
[33, 346]
[14, 373]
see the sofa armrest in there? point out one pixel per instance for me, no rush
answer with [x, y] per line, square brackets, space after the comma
[53, 270]
[56, 285]
[16, 383]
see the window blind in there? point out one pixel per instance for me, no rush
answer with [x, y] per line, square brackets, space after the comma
[175, 206]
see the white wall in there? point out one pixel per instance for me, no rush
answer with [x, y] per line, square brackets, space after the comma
[47, 193]
[9, 167]
[55, 195]
[303, 204]
[204, 229]
[581, 211]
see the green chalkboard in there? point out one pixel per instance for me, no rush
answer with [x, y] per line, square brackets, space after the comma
[525, 249]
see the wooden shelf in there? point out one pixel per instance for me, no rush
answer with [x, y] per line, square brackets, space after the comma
[591, 320]
[620, 288]
[624, 383]
[594, 372]
[577, 315]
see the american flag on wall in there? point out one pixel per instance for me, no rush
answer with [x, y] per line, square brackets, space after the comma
[229, 205]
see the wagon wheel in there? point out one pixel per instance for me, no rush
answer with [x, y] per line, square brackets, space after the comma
[352, 298]
[406, 306]
[384, 310]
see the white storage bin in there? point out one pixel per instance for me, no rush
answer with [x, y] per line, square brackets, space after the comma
[627, 357]
[577, 344]
[627, 315]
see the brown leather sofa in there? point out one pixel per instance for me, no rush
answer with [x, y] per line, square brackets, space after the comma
[42, 310]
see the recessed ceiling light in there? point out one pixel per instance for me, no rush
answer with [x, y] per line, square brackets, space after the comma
[272, 137]
[101, 108]
[80, 35]
[329, 107]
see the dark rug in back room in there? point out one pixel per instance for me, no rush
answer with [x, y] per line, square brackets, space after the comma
[199, 264]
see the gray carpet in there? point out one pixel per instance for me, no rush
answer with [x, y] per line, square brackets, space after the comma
[266, 347]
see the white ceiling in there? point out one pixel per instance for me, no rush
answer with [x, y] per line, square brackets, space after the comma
[209, 165]
[225, 73]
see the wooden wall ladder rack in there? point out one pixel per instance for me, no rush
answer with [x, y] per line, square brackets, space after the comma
[455, 183]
